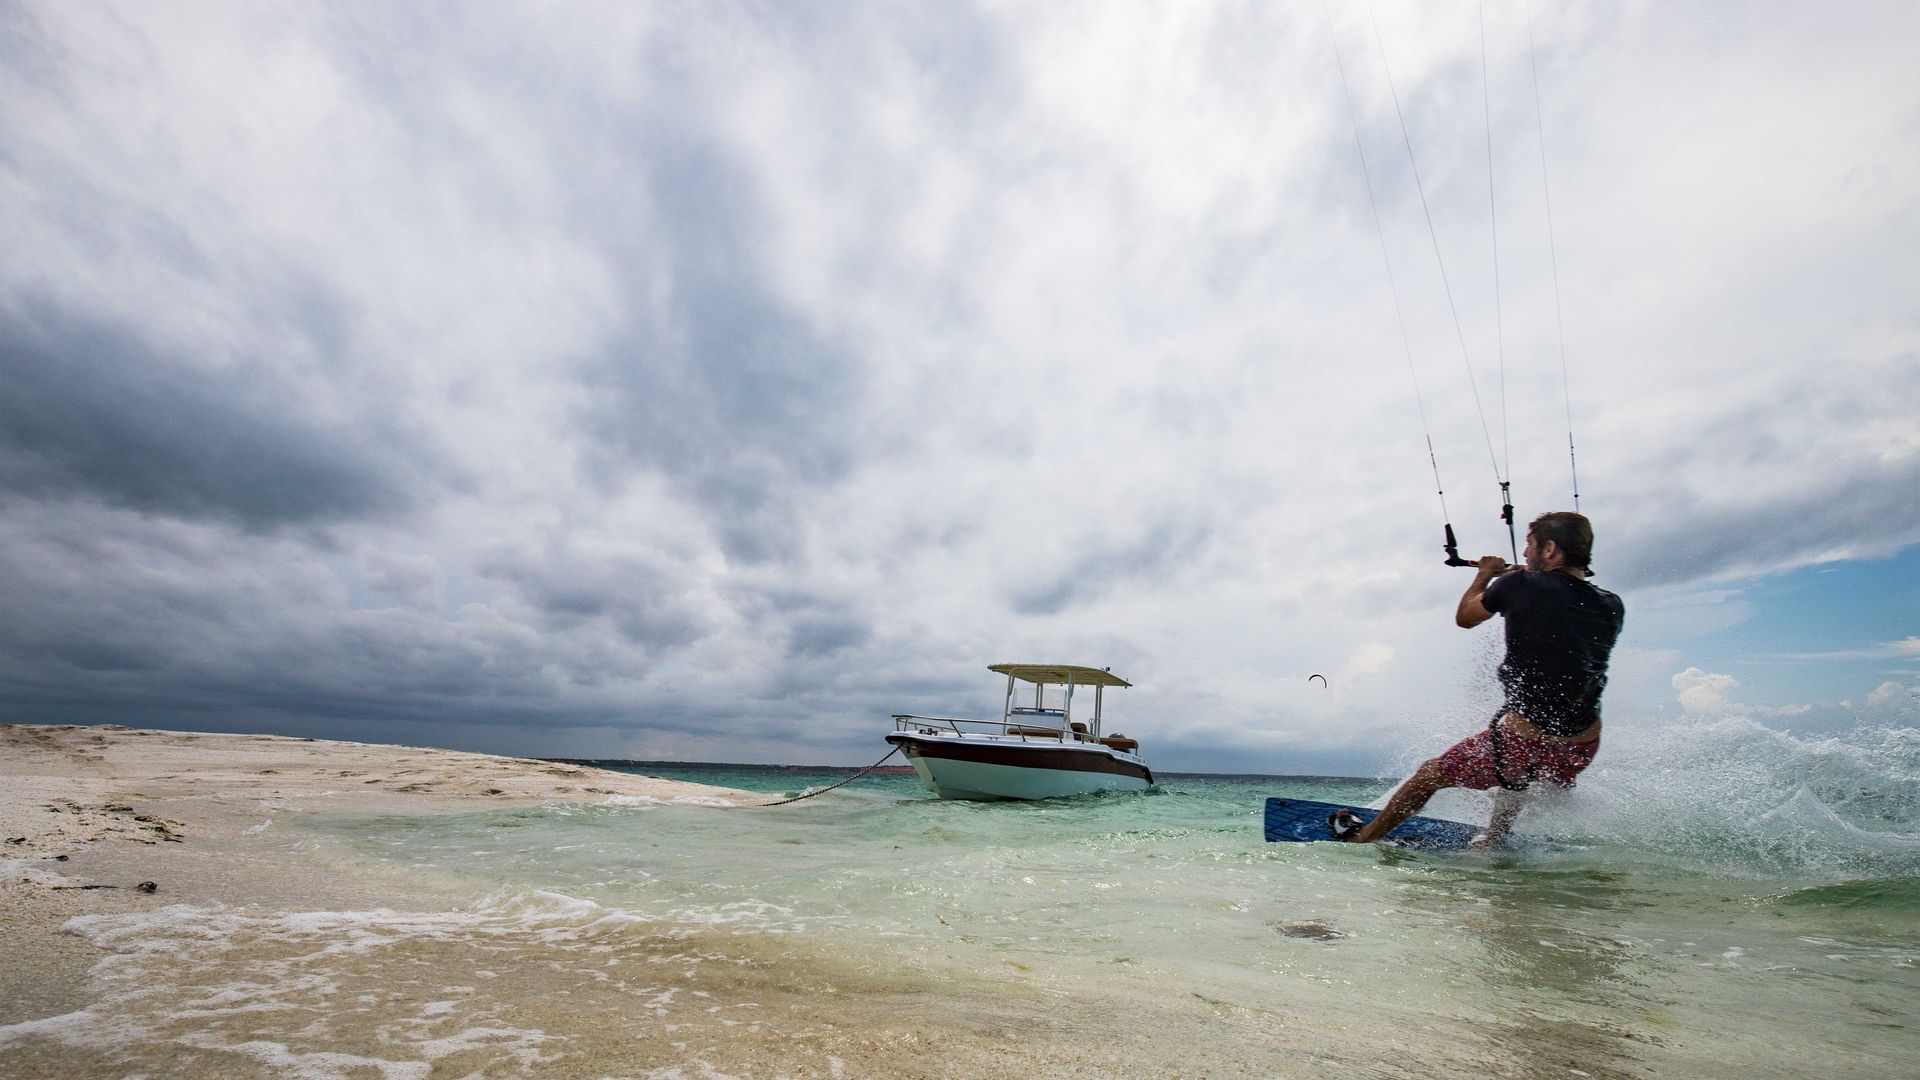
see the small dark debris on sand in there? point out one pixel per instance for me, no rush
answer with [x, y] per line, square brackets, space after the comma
[145, 887]
[1311, 931]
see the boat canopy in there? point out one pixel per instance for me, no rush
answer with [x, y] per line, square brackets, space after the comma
[1060, 674]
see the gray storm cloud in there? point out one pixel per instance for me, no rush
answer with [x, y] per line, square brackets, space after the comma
[96, 410]
[591, 386]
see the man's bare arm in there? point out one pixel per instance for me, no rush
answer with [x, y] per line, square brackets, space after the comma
[1472, 612]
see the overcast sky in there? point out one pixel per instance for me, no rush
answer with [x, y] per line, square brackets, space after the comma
[708, 381]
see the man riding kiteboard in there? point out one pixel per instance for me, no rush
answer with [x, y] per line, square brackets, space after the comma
[1561, 629]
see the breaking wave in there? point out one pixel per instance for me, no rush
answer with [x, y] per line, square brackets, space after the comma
[1733, 795]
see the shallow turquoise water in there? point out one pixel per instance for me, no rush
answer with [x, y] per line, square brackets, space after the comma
[1721, 901]
[1657, 934]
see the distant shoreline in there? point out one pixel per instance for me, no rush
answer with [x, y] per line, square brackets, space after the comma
[907, 770]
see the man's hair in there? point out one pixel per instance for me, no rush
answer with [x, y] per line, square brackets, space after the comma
[1572, 532]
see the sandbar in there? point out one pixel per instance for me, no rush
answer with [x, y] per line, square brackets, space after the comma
[108, 819]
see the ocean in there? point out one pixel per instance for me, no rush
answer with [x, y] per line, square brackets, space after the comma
[1718, 900]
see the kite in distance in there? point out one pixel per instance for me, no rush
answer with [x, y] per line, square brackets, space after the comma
[1322, 678]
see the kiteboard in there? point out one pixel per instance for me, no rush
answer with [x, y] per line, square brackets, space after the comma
[1302, 820]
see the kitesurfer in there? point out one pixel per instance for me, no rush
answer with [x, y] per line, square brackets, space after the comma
[1560, 631]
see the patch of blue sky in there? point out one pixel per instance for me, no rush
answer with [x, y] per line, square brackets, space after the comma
[1816, 635]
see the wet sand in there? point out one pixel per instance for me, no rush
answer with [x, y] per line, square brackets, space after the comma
[89, 814]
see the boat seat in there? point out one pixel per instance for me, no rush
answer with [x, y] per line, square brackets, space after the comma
[1120, 743]
[1035, 732]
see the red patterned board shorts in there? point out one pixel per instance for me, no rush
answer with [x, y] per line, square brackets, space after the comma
[1496, 758]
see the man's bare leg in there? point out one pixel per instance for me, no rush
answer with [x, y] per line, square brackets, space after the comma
[1406, 802]
[1507, 805]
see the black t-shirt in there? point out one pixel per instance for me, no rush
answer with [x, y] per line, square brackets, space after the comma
[1560, 632]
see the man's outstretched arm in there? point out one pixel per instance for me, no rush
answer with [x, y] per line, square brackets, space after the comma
[1472, 612]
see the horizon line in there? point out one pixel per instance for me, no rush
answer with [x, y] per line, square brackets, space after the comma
[764, 766]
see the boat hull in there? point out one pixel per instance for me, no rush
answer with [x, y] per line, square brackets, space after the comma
[994, 768]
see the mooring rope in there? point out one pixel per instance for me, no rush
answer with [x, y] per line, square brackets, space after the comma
[842, 783]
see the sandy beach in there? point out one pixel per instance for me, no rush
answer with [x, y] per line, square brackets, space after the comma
[110, 819]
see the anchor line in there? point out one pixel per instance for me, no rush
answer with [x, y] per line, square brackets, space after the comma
[824, 790]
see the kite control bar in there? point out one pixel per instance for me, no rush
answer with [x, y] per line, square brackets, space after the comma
[1453, 550]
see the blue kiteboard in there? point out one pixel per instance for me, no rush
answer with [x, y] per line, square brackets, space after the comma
[1301, 820]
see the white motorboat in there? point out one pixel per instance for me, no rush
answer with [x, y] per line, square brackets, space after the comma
[1034, 751]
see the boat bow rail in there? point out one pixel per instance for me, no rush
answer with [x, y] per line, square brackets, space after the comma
[1026, 729]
